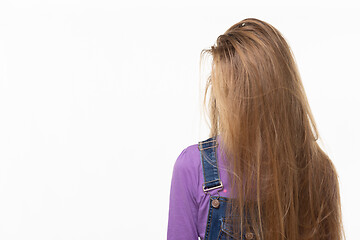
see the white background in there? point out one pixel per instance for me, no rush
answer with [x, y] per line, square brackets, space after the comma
[98, 99]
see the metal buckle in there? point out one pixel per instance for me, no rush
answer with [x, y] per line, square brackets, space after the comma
[212, 188]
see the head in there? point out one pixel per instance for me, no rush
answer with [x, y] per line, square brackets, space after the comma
[258, 107]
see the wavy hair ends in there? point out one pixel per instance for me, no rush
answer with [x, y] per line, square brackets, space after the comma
[280, 177]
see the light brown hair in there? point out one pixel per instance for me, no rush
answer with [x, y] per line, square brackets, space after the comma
[258, 107]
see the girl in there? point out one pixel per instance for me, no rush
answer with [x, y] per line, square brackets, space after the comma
[261, 173]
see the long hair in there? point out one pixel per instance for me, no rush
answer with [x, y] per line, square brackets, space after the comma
[283, 185]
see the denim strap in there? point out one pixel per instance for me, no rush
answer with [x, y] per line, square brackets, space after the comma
[209, 164]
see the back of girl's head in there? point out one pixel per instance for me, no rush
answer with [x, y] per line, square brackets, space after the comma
[259, 108]
[253, 72]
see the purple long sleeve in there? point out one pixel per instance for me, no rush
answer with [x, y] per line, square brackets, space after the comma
[189, 205]
[183, 209]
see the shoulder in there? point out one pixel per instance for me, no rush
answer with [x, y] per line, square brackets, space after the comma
[185, 176]
[190, 156]
[189, 159]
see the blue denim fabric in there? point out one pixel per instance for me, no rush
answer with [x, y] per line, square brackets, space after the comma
[209, 163]
[216, 226]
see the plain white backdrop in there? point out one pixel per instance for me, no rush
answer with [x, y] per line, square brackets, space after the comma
[98, 99]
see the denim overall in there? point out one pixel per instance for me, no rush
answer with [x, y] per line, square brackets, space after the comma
[216, 227]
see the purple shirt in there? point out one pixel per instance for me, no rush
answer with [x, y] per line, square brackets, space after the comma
[189, 205]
